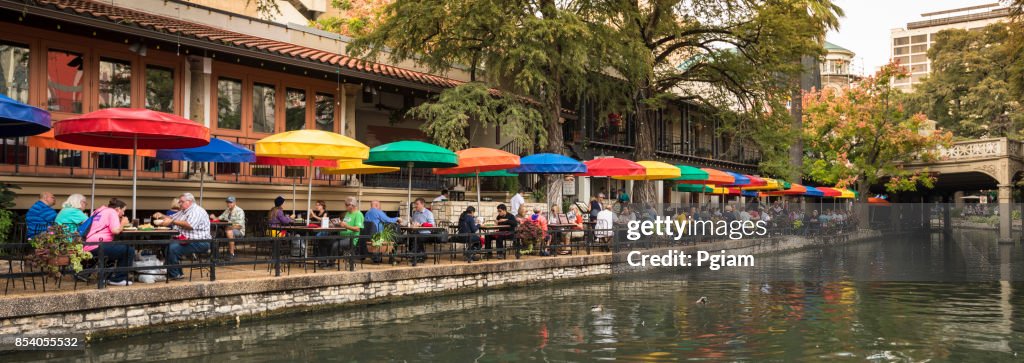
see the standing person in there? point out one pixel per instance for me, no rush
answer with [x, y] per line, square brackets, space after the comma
[517, 200]
[71, 212]
[504, 218]
[107, 222]
[377, 216]
[468, 230]
[596, 204]
[421, 217]
[194, 224]
[41, 215]
[442, 197]
[236, 216]
[319, 212]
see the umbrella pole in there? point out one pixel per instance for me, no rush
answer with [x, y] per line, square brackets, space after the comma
[202, 180]
[293, 197]
[135, 173]
[409, 191]
[92, 203]
[309, 191]
[478, 191]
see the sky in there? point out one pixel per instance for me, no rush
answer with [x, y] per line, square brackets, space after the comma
[865, 28]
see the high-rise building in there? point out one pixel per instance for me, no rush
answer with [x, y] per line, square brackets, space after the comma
[909, 46]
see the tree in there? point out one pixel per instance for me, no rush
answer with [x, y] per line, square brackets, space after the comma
[737, 57]
[853, 136]
[542, 51]
[970, 89]
[355, 17]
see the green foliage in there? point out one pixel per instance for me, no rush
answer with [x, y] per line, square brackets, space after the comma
[385, 236]
[54, 245]
[449, 115]
[356, 17]
[7, 196]
[970, 89]
[529, 232]
[854, 136]
[509, 184]
[265, 9]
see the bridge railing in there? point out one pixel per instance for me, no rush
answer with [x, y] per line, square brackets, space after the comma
[982, 148]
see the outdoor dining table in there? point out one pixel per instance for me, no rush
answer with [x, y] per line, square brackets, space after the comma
[307, 231]
[414, 243]
[220, 227]
[494, 228]
[149, 235]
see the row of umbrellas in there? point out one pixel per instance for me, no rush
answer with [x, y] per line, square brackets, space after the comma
[177, 138]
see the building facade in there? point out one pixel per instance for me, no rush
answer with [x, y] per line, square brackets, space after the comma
[838, 69]
[909, 45]
[247, 78]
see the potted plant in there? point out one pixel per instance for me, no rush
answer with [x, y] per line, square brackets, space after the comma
[529, 233]
[55, 249]
[382, 243]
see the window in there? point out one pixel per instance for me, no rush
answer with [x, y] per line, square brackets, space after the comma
[228, 168]
[229, 103]
[115, 81]
[111, 161]
[261, 170]
[918, 58]
[919, 48]
[295, 171]
[157, 165]
[263, 108]
[902, 60]
[324, 112]
[69, 158]
[294, 109]
[901, 41]
[160, 89]
[899, 51]
[14, 63]
[64, 81]
[923, 38]
[918, 68]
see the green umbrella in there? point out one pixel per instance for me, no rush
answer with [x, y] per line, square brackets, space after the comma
[693, 188]
[687, 172]
[412, 154]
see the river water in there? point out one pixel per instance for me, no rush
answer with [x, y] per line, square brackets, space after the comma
[869, 306]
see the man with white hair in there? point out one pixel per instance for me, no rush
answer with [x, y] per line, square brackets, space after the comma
[193, 222]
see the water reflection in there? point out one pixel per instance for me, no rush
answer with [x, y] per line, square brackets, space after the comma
[653, 319]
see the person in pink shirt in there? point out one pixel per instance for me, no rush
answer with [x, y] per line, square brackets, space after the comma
[108, 222]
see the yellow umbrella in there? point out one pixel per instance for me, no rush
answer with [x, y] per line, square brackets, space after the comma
[653, 170]
[847, 194]
[312, 145]
[356, 167]
[770, 184]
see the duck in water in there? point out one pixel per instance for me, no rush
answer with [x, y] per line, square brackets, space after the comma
[703, 300]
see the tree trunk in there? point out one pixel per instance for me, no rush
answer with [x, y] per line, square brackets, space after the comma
[644, 191]
[862, 206]
[556, 145]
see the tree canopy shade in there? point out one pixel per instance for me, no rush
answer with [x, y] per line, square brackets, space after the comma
[539, 50]
[853, 136]
[739, 58]
[970, 90]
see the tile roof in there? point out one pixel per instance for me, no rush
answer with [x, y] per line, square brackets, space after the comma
[204, 32]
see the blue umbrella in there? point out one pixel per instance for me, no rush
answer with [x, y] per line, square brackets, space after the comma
[18, 119]
[217, 151]
[549, 164]
[813, 192]
[748, 193]
[741, 179]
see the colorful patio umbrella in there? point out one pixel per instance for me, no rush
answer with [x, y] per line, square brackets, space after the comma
[795, 189]
[693, 188]
[653, 170]
[217, 151]
[724, 190]
[691, 173]
[755, 181]
[739, 179]
[848, 194]
[46, 141]
[813, 192]
[878, 201]
[830, 192]
[486, 174]
[356, 167]
[481, 159]
[18, 119]
[609, 167]
[412, 154]
[546, 163]
[769, 185]
[131, 128]
[715, 177]
[311, 145]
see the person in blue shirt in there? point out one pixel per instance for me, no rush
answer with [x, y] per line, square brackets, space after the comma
[377, 216]
[41, 215]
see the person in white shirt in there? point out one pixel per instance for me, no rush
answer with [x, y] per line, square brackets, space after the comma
[442, 197]
[605, 222]
[517, 201]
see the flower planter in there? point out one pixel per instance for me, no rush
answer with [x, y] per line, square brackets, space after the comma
[385, 248]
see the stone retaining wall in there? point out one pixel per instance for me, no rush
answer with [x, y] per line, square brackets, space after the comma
[114, 311]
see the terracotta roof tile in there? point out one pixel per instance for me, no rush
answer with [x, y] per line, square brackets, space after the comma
[202, 31]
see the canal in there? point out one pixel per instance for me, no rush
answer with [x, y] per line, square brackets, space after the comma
[913, 298]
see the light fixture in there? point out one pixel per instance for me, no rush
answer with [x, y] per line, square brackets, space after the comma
[138, 48]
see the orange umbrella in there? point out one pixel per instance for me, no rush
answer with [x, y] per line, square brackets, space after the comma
[795, 189]
[878, 201]
[715, 177]
[480, 159]
[46, 140]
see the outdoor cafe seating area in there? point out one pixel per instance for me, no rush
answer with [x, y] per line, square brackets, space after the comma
[104, 242]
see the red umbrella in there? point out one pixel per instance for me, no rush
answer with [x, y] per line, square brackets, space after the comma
[609, 167]
[131, 128]
[756, 181]
[829, 192]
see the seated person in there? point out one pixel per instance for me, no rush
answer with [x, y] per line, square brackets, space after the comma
[352, 223]
[468, 228]
[193, 223]
[107, 222]
[504, 218]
